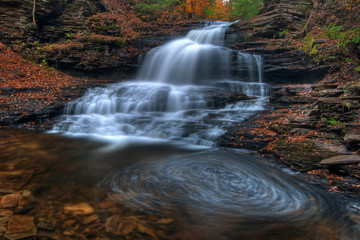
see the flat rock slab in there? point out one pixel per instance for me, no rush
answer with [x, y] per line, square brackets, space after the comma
[341, 160]
[20, 226]
[331, 100]
[352, 137]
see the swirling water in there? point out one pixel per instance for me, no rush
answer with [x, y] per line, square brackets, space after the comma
[187, 92]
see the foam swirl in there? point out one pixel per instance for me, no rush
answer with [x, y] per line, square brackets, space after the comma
[219, 183]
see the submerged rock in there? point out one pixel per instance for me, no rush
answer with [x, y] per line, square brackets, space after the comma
[20, 226]
[79, 209]
[120, 226]
[10, 200]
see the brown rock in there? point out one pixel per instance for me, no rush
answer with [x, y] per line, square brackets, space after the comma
[120, 226]
[90, 219]
[3, 224]
[341, 160]
[165, 221]
[20, 226]
[147, 231]
[352, 137]
[6, 213]
[10, 201]
[79, 209]
[15, 179]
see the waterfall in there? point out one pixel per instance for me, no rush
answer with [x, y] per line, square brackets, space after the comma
[185, 91]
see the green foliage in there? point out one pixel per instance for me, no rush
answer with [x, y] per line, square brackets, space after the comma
[69, 35]
[331, 121]
[343, 36]
[242, 9]
[311, 48]
[284, 33]
[358, 68]
[347, 43]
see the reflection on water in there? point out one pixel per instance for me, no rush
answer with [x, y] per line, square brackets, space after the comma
[160, 191]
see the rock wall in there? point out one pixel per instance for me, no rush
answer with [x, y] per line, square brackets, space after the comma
[53, 18]
[264, 35]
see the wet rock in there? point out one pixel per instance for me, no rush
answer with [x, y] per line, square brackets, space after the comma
[120, 226]
[45, 226]
[320, 87]
[301, 131]
[26, 199]
[341, 160]
[147, 231]
[90, 219]
[5, 215]
[14, 180]
[164, 221]
[79, 209]
[334, 146]
[10, 201]
[20, 226]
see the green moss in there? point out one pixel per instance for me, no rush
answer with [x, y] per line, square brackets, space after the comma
[301, 156]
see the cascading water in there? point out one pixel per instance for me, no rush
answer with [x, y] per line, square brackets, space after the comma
[185, 91]
[190, 91]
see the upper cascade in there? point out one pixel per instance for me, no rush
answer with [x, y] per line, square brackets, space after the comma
[190, 60]
[213, 34]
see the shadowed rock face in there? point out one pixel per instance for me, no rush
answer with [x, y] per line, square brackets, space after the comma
[282, 63]
[53, 19]
[277, 15]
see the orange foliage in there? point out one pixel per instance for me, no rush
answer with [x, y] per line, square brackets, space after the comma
[27, 88]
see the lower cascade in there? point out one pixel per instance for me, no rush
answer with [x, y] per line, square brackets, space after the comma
[189, 90]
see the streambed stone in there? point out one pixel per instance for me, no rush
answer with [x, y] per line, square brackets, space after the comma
[120, 226]
[20, 226]
[79, 208]
[10, 200]
[13, 180]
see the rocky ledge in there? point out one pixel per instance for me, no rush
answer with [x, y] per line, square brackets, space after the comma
[311, 128]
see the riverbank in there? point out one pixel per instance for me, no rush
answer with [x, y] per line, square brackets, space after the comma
[31, 94]
[311, 128]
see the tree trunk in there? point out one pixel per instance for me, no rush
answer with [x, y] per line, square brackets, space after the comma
[33, 12]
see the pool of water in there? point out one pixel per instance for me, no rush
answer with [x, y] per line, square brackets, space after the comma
[158, 190]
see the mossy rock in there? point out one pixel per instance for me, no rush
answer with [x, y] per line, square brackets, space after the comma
[301, 156]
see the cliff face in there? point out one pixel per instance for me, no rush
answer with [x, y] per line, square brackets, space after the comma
[70, 35]
[53, 19]
[76, 47]
[283, 63]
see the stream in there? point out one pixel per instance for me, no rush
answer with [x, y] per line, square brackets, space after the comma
[143, 157]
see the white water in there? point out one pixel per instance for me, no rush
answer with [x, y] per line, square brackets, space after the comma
[176, 94]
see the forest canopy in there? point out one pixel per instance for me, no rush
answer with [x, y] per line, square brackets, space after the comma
[205, 9]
